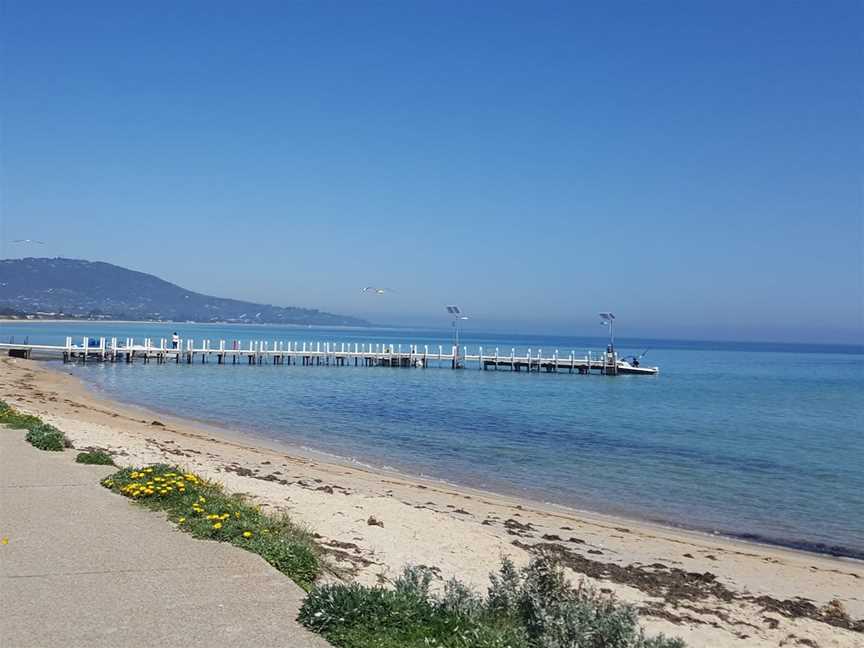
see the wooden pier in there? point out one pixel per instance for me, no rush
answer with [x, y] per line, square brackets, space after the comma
[257, 352]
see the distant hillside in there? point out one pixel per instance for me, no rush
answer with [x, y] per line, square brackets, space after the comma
[75, 288]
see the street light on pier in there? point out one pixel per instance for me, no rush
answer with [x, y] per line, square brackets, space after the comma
[457, 315]
[609, 320]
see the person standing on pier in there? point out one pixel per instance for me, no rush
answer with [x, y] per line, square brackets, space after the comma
[175, 340]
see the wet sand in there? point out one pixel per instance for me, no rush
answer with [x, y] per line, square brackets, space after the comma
[709, 590]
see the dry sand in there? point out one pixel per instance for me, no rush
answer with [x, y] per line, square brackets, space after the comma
[709, 590]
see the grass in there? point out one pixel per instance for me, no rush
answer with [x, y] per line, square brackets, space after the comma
[96, 457]
[205, 510]
[534, 607]
[39, 434]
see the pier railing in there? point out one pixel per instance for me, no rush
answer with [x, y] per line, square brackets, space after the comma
[323, 353]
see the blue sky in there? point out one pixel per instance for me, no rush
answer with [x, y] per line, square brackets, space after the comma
[694, 166]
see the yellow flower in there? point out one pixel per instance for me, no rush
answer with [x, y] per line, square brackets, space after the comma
[4, 540]
[218, 525]
[247, 534]
[181, 520]
[237, 514]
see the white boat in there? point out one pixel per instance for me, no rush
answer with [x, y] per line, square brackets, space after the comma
[626, 367]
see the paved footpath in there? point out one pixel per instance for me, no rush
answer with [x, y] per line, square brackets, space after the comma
[85, 568]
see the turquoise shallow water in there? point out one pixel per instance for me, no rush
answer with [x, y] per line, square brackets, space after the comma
[758, 441]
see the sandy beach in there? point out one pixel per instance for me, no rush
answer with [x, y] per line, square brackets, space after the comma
[709, 590]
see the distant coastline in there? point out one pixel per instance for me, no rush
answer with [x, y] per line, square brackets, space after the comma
[347, 327]
[55, 320]
[78, 289]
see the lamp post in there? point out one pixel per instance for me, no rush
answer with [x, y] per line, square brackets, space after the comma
[609, 319]
[456, 313]
[610, 362]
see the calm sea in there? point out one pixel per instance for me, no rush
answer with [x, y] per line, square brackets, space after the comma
[758, 441]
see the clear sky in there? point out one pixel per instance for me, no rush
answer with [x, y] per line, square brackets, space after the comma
[694, 166]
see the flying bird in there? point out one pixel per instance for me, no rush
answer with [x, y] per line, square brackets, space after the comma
[376, 291]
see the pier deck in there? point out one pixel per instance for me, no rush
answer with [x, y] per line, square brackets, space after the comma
[325, 353]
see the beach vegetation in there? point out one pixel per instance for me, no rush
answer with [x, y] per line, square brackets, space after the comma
[95, 457]
[12, 418]
[39, 434]
[47, 437]
[202, 508]
[533, 607]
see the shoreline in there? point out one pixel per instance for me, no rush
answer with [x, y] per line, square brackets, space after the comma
[840, 552]
[250, 438]
[462, 531]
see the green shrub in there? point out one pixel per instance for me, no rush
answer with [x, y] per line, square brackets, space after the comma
[46, 437]
[535, 607]
[358, 616]
[205, 510]
[96, 457]
[40, 434]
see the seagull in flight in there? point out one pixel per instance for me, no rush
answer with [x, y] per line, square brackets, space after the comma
[29, 241]
[376, 291]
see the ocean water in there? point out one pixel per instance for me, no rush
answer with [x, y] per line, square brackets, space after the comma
[764, 442]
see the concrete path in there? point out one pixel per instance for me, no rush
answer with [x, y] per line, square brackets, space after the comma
[85, 567]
